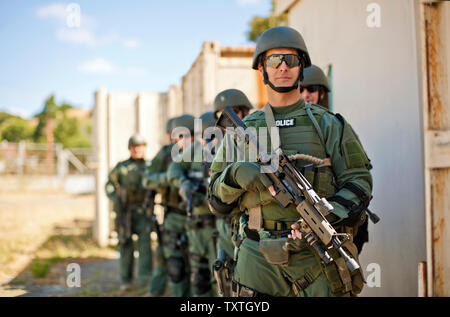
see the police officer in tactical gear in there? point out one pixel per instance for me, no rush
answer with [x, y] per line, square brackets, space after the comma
[174, 231]
[234, 98]
[159, 165]
[191, 175]
[125, 190]
[315, 88]
[264, 226]
[240, 104]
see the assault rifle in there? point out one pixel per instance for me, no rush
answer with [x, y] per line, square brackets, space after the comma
[149, 206]
[290, 186]
[124, 215]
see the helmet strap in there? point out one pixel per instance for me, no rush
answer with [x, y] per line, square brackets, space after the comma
[319, 93]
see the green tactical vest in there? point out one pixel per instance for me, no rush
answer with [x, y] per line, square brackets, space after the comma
[169, 194]
[130, 176]
[298, 135]
[197, 172]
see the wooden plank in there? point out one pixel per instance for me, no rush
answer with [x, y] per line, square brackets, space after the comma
[435, 23]
[440, 180]
[422, 279]
[438, 149]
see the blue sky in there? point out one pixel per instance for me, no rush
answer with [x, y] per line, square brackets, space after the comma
[121, 45]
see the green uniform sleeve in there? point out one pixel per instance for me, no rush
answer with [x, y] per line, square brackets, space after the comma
[177, 171]
[155, 175]
[349, 160]
[221, 186]
[176, 174]
[113, 181]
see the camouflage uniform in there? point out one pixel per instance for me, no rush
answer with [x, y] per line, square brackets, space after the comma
[127, 176]
[174, 231]
[191, 175]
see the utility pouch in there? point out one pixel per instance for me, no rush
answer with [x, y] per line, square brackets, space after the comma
[357, 276]
[273, 251]
[340, 280]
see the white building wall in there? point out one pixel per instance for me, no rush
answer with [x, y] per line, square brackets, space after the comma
[237, 73]
[376, 87]
[117, 116]
[218, 68]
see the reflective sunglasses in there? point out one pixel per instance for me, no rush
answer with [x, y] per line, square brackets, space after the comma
[275, 60]
[311, 89]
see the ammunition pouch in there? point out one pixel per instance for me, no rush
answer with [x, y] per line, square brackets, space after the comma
[273, 251]
[341, 281]
[239, 290]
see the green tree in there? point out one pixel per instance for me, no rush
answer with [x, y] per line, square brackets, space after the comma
[15, 129]
[70, 132]
[259, 24]
[49, 111]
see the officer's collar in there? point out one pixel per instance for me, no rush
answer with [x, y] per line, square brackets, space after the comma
[137, 160]
[290, 108]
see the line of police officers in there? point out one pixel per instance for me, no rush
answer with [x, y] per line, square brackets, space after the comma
[208, 243]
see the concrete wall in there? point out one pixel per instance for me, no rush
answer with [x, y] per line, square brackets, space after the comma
[376, 82]
[117, 116]
[215, 69]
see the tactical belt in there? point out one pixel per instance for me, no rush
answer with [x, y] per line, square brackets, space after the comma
[253, 234]
[239, 290]
[277, 225]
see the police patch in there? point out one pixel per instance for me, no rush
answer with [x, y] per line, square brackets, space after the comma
[285, 123]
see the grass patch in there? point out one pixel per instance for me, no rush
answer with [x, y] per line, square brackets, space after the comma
[70, 242]
[40, 267]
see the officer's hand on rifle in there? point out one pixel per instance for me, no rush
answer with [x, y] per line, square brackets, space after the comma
[295, 232]
[248, 176]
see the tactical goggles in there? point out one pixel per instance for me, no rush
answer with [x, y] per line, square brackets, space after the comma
[275, 60]
[311, 89]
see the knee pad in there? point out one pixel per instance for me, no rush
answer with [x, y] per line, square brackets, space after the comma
[201, 280]
[176, 269]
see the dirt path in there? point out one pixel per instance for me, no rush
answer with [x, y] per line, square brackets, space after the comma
[40, 229]
[41, 233]
[27, 220]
